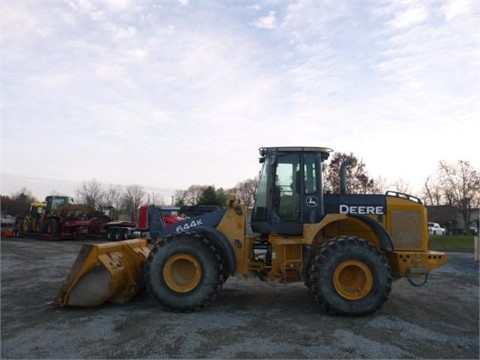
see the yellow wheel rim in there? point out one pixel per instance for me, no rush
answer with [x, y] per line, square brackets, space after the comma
[353, 279]
[182, 273]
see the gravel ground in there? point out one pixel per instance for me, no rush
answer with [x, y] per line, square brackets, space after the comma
[248, 319]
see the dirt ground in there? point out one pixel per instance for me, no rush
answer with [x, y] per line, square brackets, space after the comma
[248, 319]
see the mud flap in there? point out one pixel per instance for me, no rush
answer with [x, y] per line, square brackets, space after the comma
[104, 272]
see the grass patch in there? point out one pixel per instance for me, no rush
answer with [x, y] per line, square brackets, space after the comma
[453, 242]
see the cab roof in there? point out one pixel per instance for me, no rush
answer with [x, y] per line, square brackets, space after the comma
[264, 150]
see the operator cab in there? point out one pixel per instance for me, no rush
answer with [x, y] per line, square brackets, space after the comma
[37, 210]
[54, 201]
[290, 189]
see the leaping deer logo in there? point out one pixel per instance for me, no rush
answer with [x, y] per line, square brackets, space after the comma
[312, 201]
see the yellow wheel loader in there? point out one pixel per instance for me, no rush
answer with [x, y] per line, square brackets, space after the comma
[31, 222]
[347, 249]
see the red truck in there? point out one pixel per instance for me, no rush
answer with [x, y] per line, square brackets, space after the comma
[123, 230]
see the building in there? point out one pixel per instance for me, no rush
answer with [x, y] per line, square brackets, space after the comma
[449, 218]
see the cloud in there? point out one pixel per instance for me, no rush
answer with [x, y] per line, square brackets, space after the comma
[453, 9]
[168, 95]
[19, 27]
[267, 22]
[83, 6]
[430, 57]
[121, 33]
[411, 13]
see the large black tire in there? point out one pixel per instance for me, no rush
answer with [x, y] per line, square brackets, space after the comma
[350, 276]
[111, 234]
[27, 226]
[184, 272]
[53, 227]
[41, 227]
[119, 234]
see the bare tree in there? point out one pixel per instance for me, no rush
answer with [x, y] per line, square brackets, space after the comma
[132, 199]
[432, 192]
[155, 198]
[402, 186]
[113, 198]
[245, 191]
[358, 181]
[380, 185]
[191, 196]
[179, 197]
[91, 193]
[460, 183]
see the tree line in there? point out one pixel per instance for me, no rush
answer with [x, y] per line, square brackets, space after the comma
[126, 199]
[455, 184]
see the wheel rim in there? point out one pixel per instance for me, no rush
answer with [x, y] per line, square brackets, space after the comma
[353, 279]
[182, 273]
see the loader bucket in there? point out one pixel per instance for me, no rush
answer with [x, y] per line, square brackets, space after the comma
[104, 272]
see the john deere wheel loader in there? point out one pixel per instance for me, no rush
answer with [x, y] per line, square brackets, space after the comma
[346, 248]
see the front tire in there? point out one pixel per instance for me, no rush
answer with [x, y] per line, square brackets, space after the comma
[41, 226]
[184, 272]
[27, 226]
[350, 276]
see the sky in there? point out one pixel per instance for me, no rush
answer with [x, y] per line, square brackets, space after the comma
[168, 94]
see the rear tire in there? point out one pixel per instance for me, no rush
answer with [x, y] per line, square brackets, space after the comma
[110, 234]
[53, 226]
[119, 234]
[184, 272]
[350, 276]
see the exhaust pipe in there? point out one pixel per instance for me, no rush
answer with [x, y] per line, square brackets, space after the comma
[343, 174]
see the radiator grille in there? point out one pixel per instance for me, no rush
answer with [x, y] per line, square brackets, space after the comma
[406, 229]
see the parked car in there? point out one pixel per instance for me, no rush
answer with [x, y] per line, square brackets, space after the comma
[435, 229]
[473, 230]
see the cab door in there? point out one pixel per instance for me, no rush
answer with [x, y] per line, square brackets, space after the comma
[289, 193]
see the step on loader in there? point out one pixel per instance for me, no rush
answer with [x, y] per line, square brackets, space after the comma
[346, 248]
